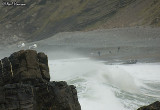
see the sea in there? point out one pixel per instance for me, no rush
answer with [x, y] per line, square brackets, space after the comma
[102, 86]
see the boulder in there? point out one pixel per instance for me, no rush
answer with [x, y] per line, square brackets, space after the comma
[24, 65]
[25, 84]
[153, 106]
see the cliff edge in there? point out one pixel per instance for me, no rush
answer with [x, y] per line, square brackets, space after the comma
[25, 84]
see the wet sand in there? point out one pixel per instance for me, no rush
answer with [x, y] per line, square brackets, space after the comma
[112, 45]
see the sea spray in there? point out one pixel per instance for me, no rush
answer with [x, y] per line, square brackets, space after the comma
[101, 87]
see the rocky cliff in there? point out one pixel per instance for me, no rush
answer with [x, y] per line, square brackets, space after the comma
[25, 85]
[153, 106]
[43, 18]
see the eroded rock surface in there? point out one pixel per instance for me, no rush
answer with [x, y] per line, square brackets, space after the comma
[153, 106]
[25, 85]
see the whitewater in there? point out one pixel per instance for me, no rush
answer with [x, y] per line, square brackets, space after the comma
[101, 83]
[103, 86]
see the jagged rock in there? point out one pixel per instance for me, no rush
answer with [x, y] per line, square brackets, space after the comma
[25, 85]
[24, 65]
[17, 97]
[58, 96]
[153, 106]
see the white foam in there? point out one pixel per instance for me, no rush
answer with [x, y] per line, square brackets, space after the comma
[147, 71]
[95, 77]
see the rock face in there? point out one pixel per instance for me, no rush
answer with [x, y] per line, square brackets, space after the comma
[154, 106]
[25, 85]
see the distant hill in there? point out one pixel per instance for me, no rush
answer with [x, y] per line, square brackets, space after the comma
[41, 19]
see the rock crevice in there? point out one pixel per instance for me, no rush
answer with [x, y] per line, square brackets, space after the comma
[25, 84]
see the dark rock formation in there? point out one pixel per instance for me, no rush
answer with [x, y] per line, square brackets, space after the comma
[153, 106]
[132, 61]
[25, 85]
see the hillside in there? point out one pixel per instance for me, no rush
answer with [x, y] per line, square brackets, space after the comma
[138, 13]
[43, 18]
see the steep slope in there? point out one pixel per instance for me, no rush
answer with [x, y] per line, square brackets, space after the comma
[138, 13]
[43, 18]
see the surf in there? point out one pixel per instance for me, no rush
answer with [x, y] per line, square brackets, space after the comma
[101, 86]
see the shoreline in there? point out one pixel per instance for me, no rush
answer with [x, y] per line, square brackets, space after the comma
[133, 43]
